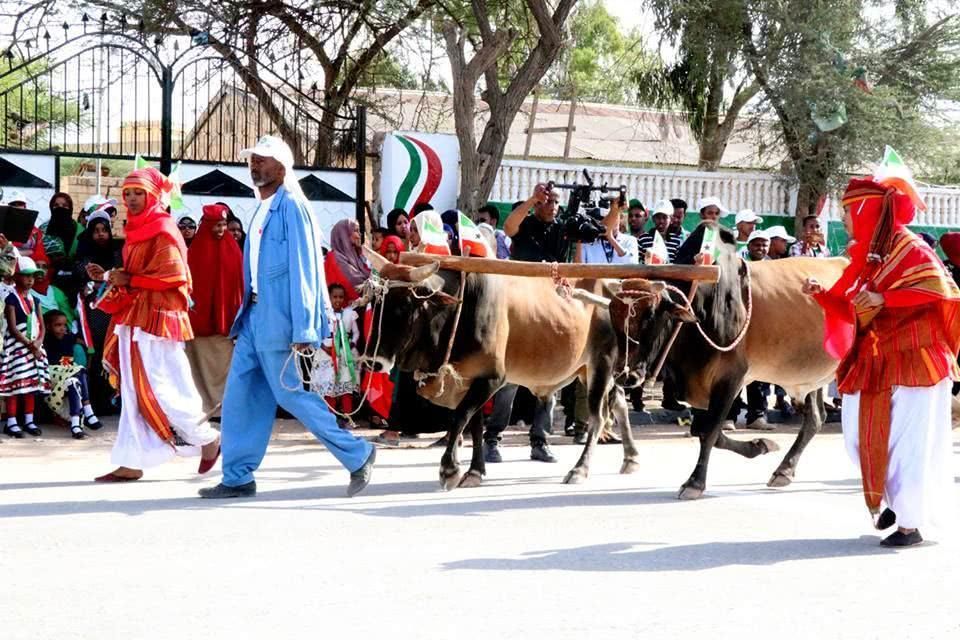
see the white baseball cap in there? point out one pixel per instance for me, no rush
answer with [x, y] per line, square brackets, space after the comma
[99, 203]
[27, 266]
[16, 196]
[710, 201]
[270, 147]
[779, 231]
[759, 234]
[664, 207]
[99, 214]
[747, 215]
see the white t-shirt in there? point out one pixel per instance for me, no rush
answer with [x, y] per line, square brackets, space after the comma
[602, 252]
[257, 223]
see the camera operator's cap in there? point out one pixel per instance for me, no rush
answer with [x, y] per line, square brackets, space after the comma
[27, 267]
[270, 147]
[779, 231]
[759, 234]
[747, 215]
[663, 206]
[711, 201]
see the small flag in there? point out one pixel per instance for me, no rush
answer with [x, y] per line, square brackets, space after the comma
[85, 334]
[710, 245]
[471, 240]
[892, 172]
[657, 254]
[434, 239]
[176, 197]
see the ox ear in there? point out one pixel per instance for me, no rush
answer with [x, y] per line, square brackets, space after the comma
[442, 297]
[678, 311]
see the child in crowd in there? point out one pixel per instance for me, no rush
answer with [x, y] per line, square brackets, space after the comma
[377, 238]
[23, 371]
[390, 248]
[340, 373]
[68, 375]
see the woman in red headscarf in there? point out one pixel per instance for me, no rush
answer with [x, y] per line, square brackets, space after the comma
[162, 413]
[216, 266]
[893, 319]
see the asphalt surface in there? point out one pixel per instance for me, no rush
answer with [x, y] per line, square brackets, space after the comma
[523, 556]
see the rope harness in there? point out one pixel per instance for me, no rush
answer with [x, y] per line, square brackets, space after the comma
[687, 298]
[446, 369]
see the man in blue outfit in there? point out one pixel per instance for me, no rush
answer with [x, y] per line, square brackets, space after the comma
[284, 308]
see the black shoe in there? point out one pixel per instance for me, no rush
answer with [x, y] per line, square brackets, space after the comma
[901, 539]
[580, 437]
[14, 431]
[491, 452]
[672, 405]
[77, 432]
[360, 478]
[886, 520]
[541, 451]
[223, 491]
[33, 430]
[92, 422]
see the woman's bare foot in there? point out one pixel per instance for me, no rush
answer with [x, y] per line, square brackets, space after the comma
[121, 474]
[210, 451]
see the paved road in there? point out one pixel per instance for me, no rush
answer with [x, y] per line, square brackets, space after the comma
[522, 557]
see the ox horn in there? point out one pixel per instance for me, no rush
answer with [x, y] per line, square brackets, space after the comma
[590, 298]
[419, 274]
[615, 287]
[377, 260]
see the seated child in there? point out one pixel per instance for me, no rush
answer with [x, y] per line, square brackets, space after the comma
[339, 371]
[68, 375]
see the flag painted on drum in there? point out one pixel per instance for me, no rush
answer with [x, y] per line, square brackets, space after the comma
[471, 240]
[419, 168]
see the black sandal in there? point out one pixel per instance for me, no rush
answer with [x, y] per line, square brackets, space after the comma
[14, 431]
[32, 429]
[77, 432]
[92, 422]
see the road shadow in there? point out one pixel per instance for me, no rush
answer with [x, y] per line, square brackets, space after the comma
[691, 557]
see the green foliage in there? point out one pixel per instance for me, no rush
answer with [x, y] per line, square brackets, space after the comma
[600, 55]
[32, 111]
[883, 81]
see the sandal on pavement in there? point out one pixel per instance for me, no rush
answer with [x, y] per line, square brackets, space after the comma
[77, 432]
[32, 429]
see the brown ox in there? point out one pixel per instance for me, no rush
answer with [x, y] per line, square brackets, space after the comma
[782, 344]
[510, 329]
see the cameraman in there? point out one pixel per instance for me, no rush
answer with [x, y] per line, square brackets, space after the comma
[611, 248]
[537, 237]
[534, 238]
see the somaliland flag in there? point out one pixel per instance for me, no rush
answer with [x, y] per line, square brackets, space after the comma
[434, 239]
[657, 254]
[892, 172]
[710, 245]
[471, 240]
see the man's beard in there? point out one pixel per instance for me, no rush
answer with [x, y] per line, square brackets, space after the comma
[258, 180]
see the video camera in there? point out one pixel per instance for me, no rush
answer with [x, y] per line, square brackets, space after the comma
[587, 226]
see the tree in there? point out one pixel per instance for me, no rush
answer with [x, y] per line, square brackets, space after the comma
[842, 86]
[31, 110]
[708, 79]
[345, 43]
[598, 57]
[510, 45]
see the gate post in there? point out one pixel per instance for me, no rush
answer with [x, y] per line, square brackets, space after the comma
[361, 168]
[166, 122]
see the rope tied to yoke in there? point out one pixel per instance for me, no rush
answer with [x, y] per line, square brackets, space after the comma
[631, 301]
[446, 369]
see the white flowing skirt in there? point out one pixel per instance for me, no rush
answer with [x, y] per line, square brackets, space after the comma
[168, 371]
[919, 481]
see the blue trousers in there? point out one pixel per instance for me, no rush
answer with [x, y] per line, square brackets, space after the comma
[250, 404]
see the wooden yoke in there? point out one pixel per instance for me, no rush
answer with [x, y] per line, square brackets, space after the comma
[689, 273]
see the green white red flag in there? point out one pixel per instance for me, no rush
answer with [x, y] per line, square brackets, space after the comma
[471, 240]
[657, 254]
[892, 172]
[433, 239]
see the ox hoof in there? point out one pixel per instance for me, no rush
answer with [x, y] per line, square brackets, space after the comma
[780, 479]
[576, 476]
[769, 446]
[449, 479]
[472, 480]
[629, 466]
[689, 493]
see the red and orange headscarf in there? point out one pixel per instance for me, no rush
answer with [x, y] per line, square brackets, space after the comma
[154, 219]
